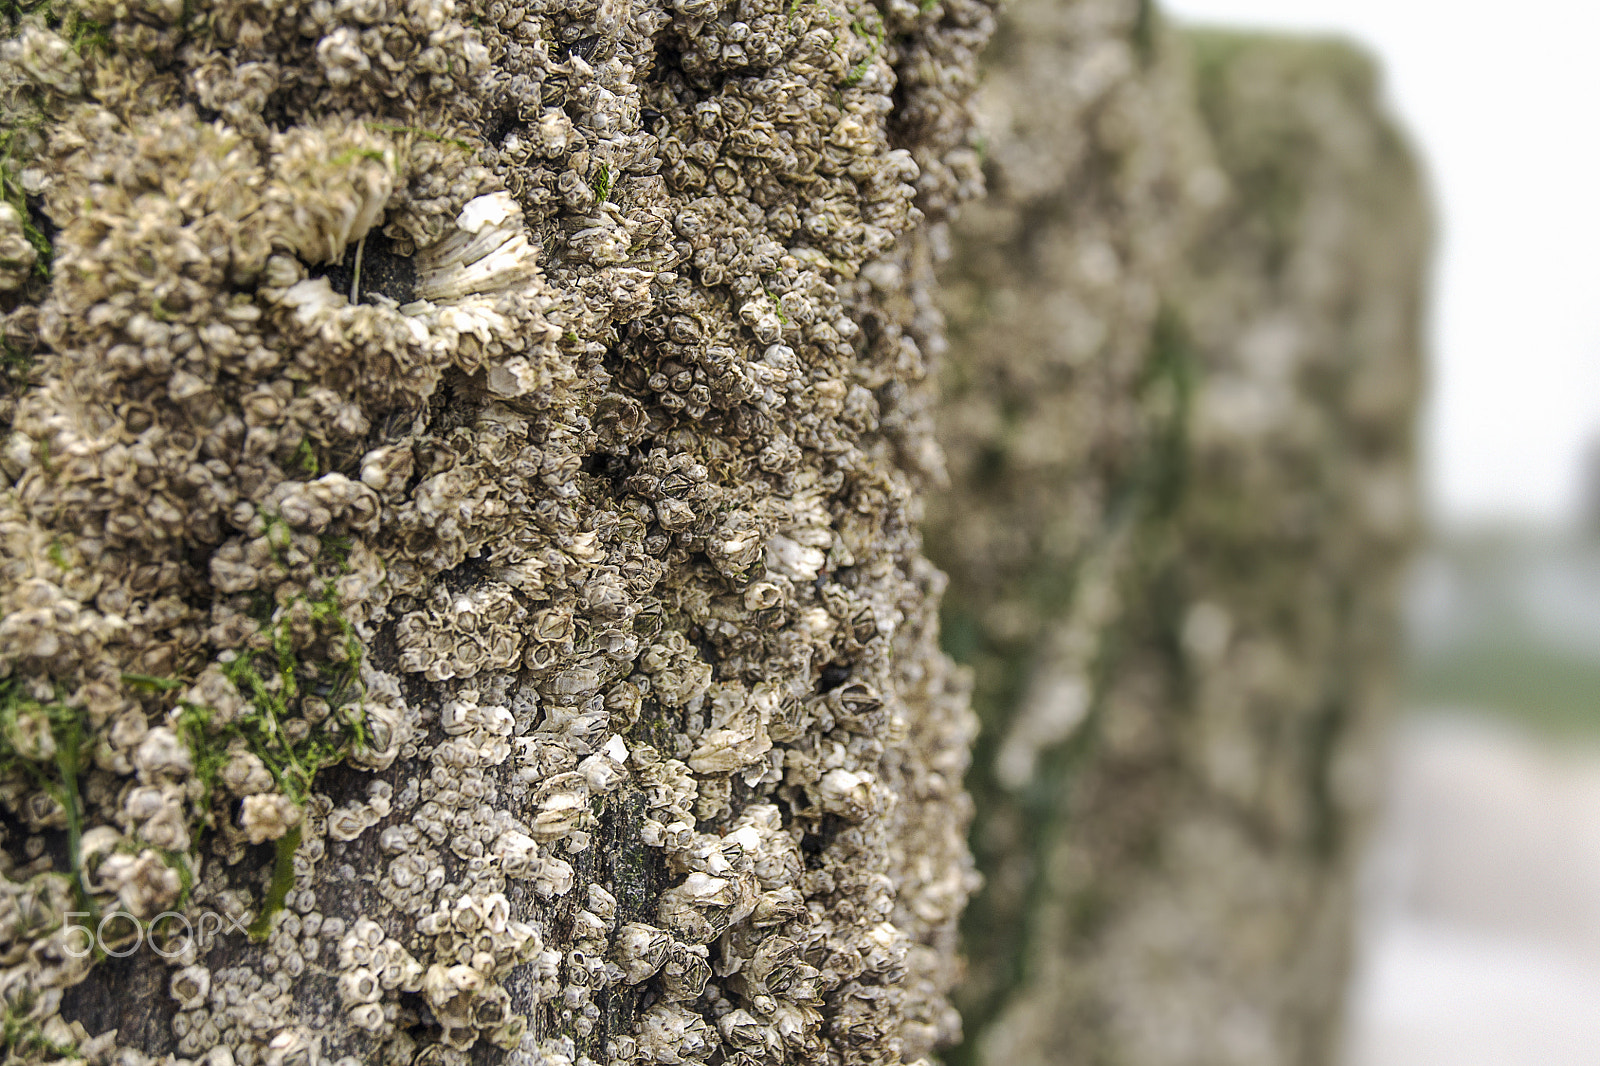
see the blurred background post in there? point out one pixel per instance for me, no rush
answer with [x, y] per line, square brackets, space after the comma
[1186, 331]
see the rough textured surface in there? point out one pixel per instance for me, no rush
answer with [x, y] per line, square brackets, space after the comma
[1184, 364]
[459, 519]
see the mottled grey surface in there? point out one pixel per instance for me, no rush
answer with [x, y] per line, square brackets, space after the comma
[1183, 370]
[1481, 915]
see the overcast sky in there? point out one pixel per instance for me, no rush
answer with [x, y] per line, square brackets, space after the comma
[1504, 101]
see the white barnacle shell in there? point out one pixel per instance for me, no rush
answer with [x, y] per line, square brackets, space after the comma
[518, 854]
[450, 990]
[674, 513]
[167, 830]
[817, 624]
[615, 749]
[670, 1033]
[489, 251]
[359, 985]
[17, 454]
[387, 729]
[333, 184]
[352, 952]
[602, 903]
[491, 912]
[380, 795]
[43, 810]
[99, 841]
[267, 816]
[602, 772]
[779, 969]
[404, 972]
[46, 58]
[701, 908]
[367, 1016]
[144, 884]
[460, 717]
[762, 595]
[737, 735]
[850, 795]
[748, 839]
[726, 750]
[190, 986]
[387, 467]
[497, 720]
[795, 1021]
[460, 753]
[705, 854]
[149, 801]
[554, 878]
[742, 1031]
[884, 950]
[161, 752]
[245, 774]
[349, 821]
[588, 926]
[312, 299]
[341, 57]
[493, 209]
[577, 682]
[789, 558]
[508, 1034]
[290, 1047]
[360, 943]
[677, 836]
[398, 839]
[640, 950]
[563, 801]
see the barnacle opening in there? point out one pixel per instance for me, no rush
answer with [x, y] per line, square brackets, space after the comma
[373, 266]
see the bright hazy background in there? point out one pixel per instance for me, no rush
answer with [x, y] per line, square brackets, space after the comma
[1503, 102]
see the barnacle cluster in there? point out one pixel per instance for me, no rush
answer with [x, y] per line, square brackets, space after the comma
[1183, 374]
[458, 521]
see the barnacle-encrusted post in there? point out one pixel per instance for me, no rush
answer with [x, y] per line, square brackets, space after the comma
[1184, 367]
[458, 524]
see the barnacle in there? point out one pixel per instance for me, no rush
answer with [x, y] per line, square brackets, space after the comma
[267, 816]
[17, 254]
[482, 396]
